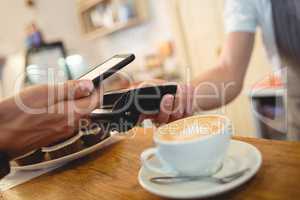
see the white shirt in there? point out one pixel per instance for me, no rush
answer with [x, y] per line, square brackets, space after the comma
[247, 16]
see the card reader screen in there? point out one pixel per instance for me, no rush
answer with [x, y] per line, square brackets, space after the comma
[97, 71]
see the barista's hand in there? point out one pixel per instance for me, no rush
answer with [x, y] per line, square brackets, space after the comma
[172, 107]
[42, 115]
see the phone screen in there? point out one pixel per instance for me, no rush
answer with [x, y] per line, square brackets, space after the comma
[102, 68]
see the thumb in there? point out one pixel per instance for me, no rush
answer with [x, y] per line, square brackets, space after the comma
[71, 90]
[45, 95]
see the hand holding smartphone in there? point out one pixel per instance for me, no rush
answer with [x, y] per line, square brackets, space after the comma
[124, 106]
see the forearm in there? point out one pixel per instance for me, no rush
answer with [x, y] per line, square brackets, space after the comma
[215, 88]
[221, 84]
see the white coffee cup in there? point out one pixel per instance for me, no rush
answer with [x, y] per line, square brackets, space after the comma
[192, 146]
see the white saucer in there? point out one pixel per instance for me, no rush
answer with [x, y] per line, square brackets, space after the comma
[240, 156]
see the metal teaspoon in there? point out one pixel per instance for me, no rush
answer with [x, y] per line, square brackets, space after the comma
[165, 180]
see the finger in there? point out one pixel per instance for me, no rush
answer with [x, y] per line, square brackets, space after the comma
[41, 96]
[70, 90]
[43, 121]
[64, 129]
[76, 109]
[178, 109]
[57, 135]
[166, 108]
[85, 106]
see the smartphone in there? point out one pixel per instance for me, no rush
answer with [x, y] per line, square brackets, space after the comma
[107, 68]
[150, 96]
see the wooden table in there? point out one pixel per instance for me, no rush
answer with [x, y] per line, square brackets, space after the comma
[112, 174]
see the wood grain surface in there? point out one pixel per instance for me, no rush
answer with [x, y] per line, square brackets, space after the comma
[112, 174]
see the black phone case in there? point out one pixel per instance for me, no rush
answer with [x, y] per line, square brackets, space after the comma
[146, 100]
[127, 106]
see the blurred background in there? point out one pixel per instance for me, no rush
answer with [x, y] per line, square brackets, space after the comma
[172, 40]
